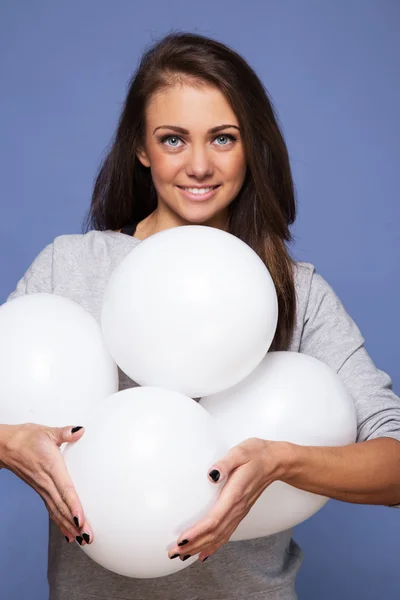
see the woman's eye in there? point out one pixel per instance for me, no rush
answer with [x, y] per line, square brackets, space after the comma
[225, 139]
[171, 140]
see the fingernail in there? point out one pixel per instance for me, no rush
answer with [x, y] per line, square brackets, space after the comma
[67, 538]
[75, 429]
[204, 559]
[79, 540]
[183, 542]
[215, 475]
[76, 521]
[174, 556]
[86, 537]
[186, 557]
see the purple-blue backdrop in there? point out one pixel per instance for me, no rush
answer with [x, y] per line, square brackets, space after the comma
[332, 70]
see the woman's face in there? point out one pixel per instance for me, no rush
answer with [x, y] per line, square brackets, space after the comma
[194, 149]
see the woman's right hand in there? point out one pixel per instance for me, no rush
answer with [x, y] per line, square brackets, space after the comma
[33, 453]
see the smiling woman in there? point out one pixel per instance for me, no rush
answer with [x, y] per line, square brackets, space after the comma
[198, 172]
[198, 143]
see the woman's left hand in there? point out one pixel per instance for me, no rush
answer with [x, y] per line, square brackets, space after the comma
[248, 469]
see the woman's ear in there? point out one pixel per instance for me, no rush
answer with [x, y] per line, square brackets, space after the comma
[143, 157]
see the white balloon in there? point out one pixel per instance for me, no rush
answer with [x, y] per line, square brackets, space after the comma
[192, 308]
[54, 366]
[289, 397]
[141, 473]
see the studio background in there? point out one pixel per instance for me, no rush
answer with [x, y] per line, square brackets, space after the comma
[331, 67]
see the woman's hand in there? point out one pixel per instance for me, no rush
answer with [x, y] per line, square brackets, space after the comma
[32, 452]
[248, 470]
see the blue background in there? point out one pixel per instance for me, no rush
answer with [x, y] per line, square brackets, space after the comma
[332, 70]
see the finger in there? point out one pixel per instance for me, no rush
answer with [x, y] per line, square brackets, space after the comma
[69, 498]
[63, 435]
[221, 470]
[67, 534]
[66, 497]
[204, 552]
[203, 546]
[59, 520]
[59, 486]
[213, 540]
[207, 552]
[82, 534]
[206, 533]
[58, 508]
[44, 486]
[191, 537]
[226, 514]
[87, 533]
[227, 508]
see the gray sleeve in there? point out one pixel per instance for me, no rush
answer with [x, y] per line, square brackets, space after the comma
[38, 277]
[330, 335]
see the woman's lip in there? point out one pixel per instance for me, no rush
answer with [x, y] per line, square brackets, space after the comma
[198, 197]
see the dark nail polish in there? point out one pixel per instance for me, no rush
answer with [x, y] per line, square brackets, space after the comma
[76, 521]
[86, 537]
[174, 556]
[79, 540]
[67, 538]
[75, 429]
[215, 475]
[186, 557]
[183, 542]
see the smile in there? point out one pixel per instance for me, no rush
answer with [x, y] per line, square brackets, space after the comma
[198, 193]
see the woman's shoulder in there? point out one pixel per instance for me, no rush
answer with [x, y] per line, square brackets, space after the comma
[315, 298]
[92, 243]
[312, 289]
[321, 310]
[308, 281]
[92, 250]
[304, 273]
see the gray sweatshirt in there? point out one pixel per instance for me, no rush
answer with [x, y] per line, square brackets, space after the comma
[78, 267]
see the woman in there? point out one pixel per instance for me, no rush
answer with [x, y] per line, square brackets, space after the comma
[198, 143]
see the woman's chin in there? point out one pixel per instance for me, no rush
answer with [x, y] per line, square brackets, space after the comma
[202, 216]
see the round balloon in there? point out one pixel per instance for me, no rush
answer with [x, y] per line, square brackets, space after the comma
[141, 473]
[54, 365]
[192, 308]
[289, 397]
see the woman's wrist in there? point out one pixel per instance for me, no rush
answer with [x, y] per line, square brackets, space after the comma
[280, 458]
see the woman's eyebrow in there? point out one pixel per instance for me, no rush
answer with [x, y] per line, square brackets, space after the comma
[185, 131]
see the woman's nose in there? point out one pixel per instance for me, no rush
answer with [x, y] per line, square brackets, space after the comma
[199, 163]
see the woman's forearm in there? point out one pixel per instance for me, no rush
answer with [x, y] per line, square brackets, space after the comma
[362, 473]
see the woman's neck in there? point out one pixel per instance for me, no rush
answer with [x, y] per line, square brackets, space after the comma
[161, 220]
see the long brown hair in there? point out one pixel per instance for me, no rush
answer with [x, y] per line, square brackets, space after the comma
[265, 207]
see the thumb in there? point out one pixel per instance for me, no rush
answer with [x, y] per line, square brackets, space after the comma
[62, 435]
[221, 470]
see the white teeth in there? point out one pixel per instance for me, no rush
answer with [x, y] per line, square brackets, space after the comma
[199, 191]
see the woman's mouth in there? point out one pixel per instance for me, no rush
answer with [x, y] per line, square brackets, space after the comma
[198, 193]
